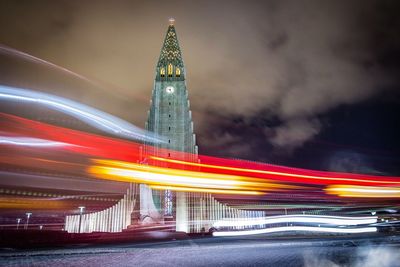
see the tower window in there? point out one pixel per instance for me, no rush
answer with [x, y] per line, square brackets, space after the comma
[169, 154]
[169, 115]
[169, 141]
[162, 72]
[170, 70]
[169, 128]
[169, 103]
[178, 72]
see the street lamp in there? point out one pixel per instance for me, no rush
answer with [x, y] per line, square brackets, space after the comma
[28, 215]
[18, 221]
[81, 208]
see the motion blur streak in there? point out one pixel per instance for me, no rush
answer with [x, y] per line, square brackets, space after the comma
[29, 203]
[92, 116]
[366, 178]
[172, 177]
[363, 191]
[11, 51]
[205, 190]
[334, 220]
[26, 141]
[298, 228]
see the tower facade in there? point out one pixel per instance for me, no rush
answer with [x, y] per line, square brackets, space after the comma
[170, 117]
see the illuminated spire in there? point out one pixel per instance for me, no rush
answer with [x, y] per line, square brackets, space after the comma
[170, 51]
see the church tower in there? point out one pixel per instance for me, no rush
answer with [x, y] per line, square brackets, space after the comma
[170, 117]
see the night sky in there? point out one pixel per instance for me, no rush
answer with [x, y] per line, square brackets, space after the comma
[310, 84]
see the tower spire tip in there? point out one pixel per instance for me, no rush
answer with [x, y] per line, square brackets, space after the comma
[171, 21]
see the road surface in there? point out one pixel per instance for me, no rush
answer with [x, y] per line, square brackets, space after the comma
[245, 251]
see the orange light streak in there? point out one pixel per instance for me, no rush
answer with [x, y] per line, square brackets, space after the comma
[363, 191]
[272, 172]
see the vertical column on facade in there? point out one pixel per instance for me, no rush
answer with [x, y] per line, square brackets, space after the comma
[100, 222]
[94, 226]
[66, 224]
[105, 220]
[90, 222]
[221, 207]
[127, 220]
[211, 210]
[200, 216]
[201, 211]
[118, 217]
[216, 210]
[72, 224]
[83, 223]
[194, 223]
[76, 223]
[129, 205]
[98, 226]
[108, 220]
[87, 222]
[123, 213]
[93, 221]
[193, 207]
[182, 210]
[114, 218]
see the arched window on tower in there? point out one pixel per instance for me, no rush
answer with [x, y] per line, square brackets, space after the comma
[178, 72]
[162, 72]
[169, 70]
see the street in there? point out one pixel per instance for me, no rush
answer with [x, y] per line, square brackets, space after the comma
[247, 251]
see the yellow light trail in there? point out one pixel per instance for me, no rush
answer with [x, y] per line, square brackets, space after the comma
[271, 172]
[128, 172]
[363, 191]
[205, 190]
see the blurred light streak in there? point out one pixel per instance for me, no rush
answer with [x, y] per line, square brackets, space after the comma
[92, 116]
[318, 219]
[164, 176]
[363, 191]
[27, 141]
[11, 51]
[30, 203]
[366, 180]
[206, 190]
[298, 228]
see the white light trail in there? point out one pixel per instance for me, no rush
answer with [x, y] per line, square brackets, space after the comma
[322, 219]
[298, 228]
[27, 141]
[91, 116]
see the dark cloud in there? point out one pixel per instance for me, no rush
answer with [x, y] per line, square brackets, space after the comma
[287, 61]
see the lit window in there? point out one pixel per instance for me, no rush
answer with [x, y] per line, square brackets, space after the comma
[162, 72]
[178, 72]
[170, 70]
